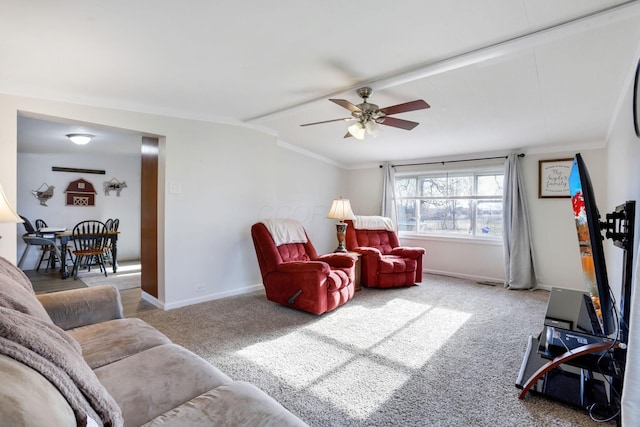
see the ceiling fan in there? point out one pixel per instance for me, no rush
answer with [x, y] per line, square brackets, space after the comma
[368, 116]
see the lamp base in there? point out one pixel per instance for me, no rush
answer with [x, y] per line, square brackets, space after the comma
[341, 227]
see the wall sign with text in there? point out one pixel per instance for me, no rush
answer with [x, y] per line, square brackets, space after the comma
[553, 178]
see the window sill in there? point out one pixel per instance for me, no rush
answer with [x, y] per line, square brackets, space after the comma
[453, 239]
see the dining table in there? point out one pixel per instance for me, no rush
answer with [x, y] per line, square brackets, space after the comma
[65, 238]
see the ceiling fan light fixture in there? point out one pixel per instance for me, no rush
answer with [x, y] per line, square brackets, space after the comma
[80, 138]
[357, 130]
[372, 128]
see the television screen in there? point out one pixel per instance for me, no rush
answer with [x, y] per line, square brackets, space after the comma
[590, 238]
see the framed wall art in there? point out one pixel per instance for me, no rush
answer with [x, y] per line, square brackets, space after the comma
[553, 178]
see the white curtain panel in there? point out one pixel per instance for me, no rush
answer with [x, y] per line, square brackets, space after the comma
[518, 253]
[388, 207]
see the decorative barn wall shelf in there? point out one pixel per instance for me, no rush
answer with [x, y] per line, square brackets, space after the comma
[80, 193]
[114, 185]
[43, 193]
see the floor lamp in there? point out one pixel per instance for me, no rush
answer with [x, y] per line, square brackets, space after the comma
[341, 210]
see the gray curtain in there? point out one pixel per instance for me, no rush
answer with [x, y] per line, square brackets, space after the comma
[388, 206]
[518, 253]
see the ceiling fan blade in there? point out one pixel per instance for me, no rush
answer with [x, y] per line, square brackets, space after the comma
[346, 104]
[418, 104]
[399, 123]
[344, 119]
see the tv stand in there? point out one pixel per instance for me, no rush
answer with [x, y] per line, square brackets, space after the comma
[565, 358]
[570, 361]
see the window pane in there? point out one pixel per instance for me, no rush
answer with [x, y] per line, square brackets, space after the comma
[445, 216]
[460, 185]
[489, 218]
[433, 187]
[406, 215]
[462, 204]
[490, 185]
[406, 187]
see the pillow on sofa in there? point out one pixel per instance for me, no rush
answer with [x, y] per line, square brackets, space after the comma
[17, 293]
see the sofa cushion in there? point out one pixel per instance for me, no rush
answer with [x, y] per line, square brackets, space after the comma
[57, 356]
[152, 382]
[237, 404]
[29, 399]
[17, 293]
[108, 342]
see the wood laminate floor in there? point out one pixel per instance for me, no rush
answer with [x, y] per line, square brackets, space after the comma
[132, 301]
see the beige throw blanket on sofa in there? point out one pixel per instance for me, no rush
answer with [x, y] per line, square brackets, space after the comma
[57, 356]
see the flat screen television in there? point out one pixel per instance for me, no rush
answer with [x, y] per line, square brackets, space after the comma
[590, 238]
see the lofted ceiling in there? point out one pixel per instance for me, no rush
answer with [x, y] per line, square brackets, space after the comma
[500, 75]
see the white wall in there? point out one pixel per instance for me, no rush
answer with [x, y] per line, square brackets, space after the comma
[623, 161]
[228, 176]
[35, 169]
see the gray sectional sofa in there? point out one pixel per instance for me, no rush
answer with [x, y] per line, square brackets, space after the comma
[70, 359]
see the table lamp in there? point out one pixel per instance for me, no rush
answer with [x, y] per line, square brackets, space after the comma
[7, 214]
[341, 210]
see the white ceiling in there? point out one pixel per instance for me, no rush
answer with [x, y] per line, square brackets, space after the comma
[500, 75]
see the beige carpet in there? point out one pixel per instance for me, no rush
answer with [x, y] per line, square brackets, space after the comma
[445, 353]
[127, 277]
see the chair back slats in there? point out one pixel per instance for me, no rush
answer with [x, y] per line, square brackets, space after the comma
[89, 235]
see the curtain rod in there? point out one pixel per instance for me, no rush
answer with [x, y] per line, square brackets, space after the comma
[454, 161]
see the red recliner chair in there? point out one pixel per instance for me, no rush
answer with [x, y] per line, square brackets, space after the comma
[385, 264]
[294, 274]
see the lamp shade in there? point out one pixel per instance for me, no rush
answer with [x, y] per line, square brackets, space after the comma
[80, 138]
[341, 209]
[357, 130]
[7, 214]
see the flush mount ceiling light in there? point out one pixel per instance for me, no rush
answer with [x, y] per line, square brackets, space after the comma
[80, 138]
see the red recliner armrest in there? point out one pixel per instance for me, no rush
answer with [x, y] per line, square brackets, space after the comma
[367, 251]
[408, 252]
[303, 267]
[339, 260]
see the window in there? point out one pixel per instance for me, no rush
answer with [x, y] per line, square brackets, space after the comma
[463, 204]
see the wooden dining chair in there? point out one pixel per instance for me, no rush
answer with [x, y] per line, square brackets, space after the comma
[89, 240]
[111, 225]
[47, 250]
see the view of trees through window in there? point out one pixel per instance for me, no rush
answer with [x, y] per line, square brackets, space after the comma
[462, 204]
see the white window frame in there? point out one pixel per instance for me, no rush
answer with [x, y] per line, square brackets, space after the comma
[475, 173]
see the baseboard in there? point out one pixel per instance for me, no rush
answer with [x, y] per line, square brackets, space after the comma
[211, 297]
[465, 276]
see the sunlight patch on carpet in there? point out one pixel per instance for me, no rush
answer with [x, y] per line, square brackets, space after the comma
[294, 358]
[346, 324]
[356, 394]
[403, 340]
[413, 344]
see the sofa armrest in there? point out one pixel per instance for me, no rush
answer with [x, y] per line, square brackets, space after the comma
[79, 307]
